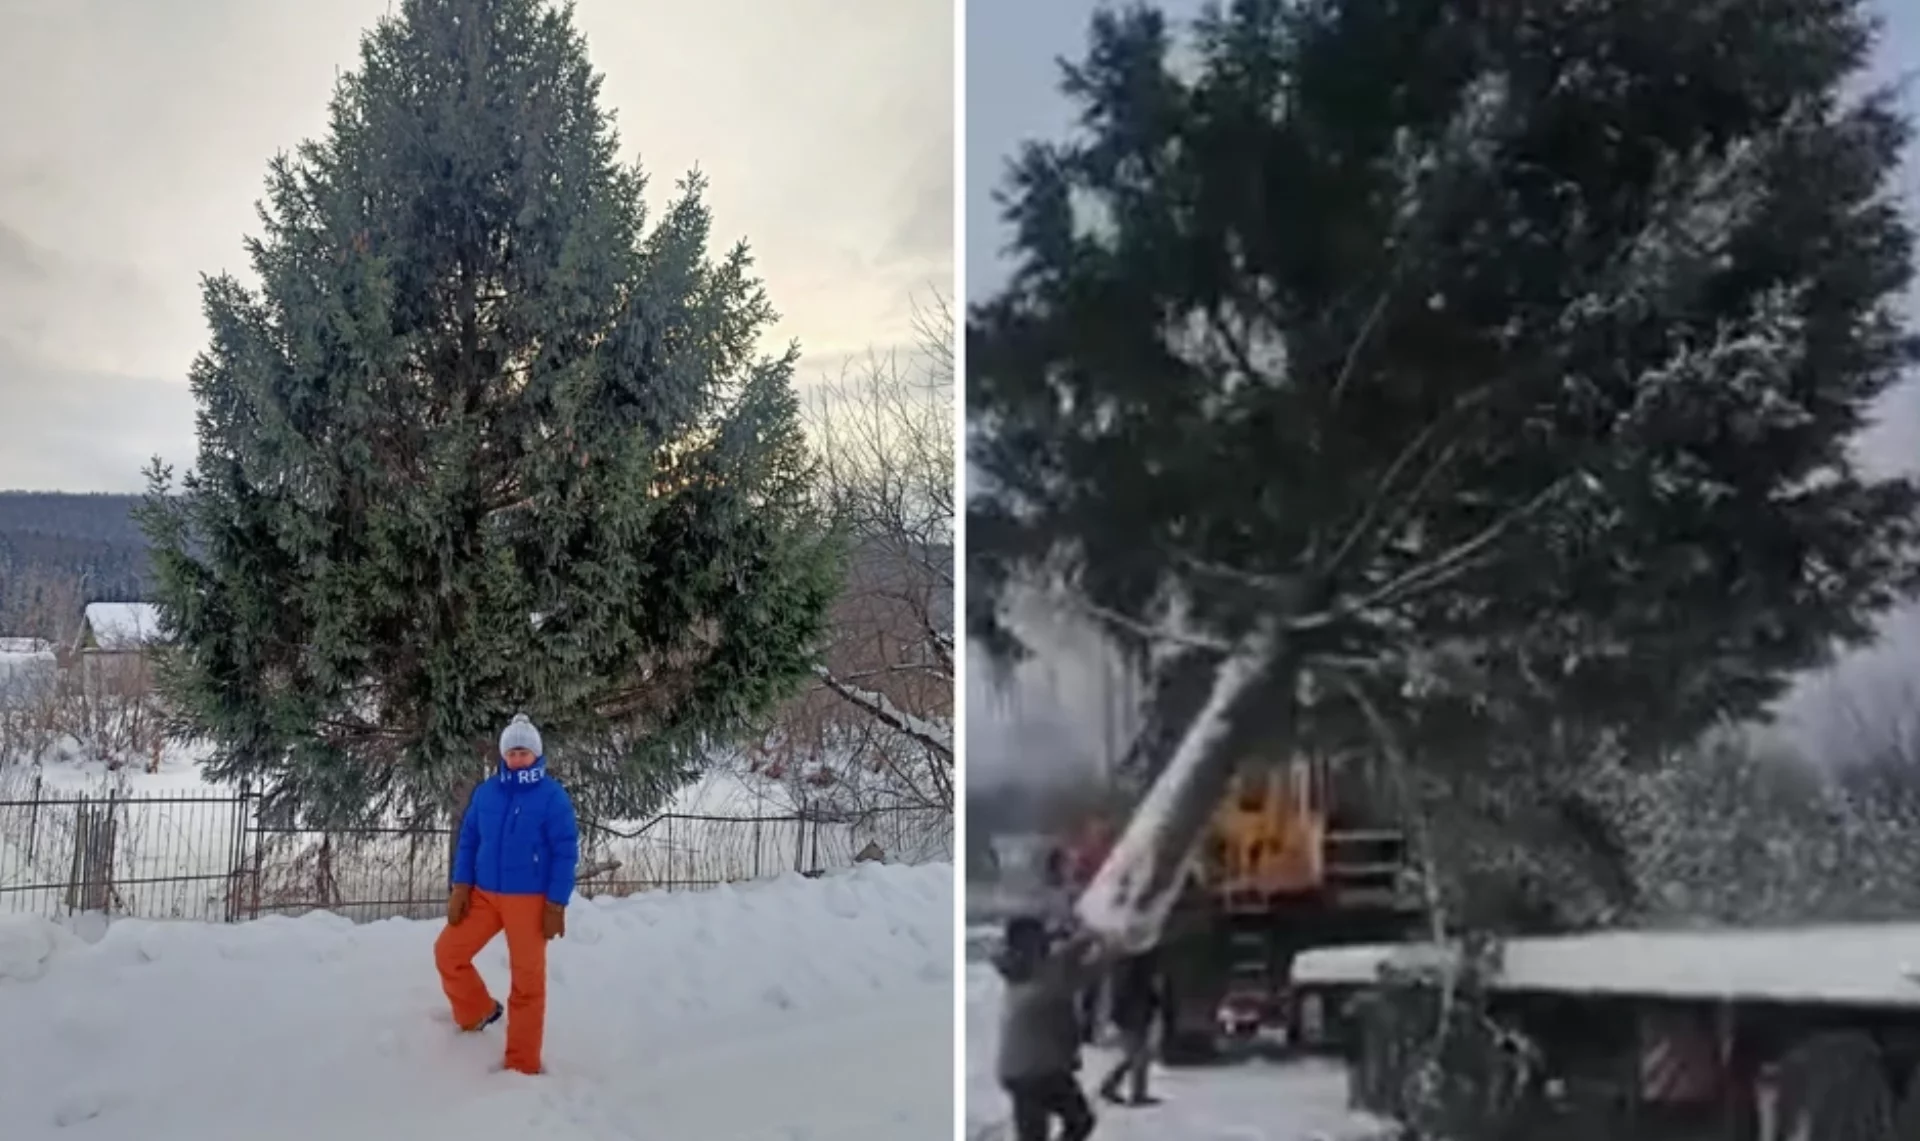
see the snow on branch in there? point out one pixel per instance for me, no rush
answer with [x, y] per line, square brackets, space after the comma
[937, 737]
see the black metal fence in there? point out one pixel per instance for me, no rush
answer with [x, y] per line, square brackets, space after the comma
[211, 855]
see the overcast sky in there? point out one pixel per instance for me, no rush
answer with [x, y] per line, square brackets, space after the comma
[1054, 711]
[134, 139]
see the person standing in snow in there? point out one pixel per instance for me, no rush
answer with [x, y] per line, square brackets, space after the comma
[1136, 999]
[513, 872]
[1039, 1059]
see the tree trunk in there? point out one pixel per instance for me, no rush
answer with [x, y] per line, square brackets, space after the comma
[1250, 709]
[458, 796]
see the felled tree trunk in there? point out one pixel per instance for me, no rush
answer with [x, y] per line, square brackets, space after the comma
[1249, 709]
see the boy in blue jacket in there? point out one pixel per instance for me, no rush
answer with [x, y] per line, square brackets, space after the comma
[513, 872]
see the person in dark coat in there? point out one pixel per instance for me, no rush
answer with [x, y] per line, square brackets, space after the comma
[1039, 1055]
[1058, 892]
[1136, 1000]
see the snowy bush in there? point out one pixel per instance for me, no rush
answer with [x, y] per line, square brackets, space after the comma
[1743, 830]
[117, 719]
[1436, 1060]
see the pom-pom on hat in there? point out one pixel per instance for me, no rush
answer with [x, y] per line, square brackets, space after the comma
[520, 734]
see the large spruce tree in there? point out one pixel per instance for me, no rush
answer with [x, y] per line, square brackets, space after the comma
[1508, 352]
[483, 440]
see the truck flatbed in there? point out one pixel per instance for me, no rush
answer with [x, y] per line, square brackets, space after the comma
[1866, 965]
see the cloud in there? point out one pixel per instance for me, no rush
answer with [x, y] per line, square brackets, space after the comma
[134, 141]
[924, 235]
[19, 257]
[75, 430]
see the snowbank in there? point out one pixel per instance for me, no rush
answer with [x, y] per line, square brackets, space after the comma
[788, 1008]
[1875, 964]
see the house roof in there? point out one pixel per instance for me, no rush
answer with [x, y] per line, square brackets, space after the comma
[122, 625]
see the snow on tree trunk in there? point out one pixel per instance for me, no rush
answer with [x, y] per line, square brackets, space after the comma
[1130, 896]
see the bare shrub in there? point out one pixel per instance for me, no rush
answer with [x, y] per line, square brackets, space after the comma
[875, 733]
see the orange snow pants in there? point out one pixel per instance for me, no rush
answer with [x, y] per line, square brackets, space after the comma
[521, 917]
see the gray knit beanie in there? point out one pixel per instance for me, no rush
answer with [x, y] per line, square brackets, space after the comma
[520, 734]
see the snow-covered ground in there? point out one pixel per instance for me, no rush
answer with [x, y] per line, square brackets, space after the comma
[787, 1009]
[1254, 1101]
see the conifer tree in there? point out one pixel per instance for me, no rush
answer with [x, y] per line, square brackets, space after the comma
[483, 438]
[1508, 354]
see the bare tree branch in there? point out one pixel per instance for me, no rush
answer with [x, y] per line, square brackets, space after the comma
[877, 731]
[880, 708]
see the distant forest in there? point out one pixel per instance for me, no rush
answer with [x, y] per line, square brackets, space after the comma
[59, 551]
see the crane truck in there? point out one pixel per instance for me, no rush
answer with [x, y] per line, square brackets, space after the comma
[1286, 862]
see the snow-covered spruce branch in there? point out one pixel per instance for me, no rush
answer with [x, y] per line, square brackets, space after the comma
[1388, 487]
[1433, 573]
[1286, 591]
[1147, 631]
[1375, 315]
[935, 738]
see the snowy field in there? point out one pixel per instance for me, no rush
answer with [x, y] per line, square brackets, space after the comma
[790, 1009]
[1254, 1101]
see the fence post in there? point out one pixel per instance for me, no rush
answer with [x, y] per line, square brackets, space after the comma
[90, 883]
[816, 845]
[76, 872]
[237, 854]
[326, 886]
[33, 820]
[756, 846]
[259, 858]
[670, 851]
[800, 839]
[108, 849]
[413, 864]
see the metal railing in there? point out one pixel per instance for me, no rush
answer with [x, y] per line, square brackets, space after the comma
[212, 856]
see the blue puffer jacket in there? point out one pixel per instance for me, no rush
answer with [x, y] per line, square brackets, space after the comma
[519, 836]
